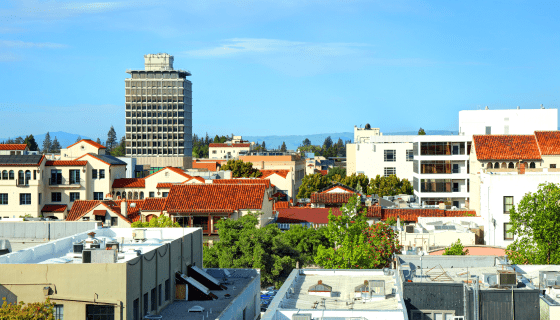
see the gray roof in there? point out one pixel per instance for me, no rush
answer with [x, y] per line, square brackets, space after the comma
[109, 159]
[31, 160]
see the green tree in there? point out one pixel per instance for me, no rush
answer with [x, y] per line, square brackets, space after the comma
[283, 148]
[29, 311]
[264, 145]
[421, 132]
[359, 182]
[111, 139]
[120, 150]
[341, 172]
[306, 142]
[19, 140]
[157, 222]
[389, 186]
[243, 245]
[311, 183]
[55, 146]
[98, 141]
[31, 143]
[535, 224]
[328, 143]
[456, 249]
[240, 169]
[79, 138]
[47, 143]
[356, 244]
[306, 241]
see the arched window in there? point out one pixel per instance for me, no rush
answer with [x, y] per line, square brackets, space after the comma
[118, 193]
[511, 166]
[11, 174]
[5, 174]
[504, 165]
[124, 195]
[532, 165]
[129, 195]
[21, 177]
[135, 195]
[497, 165]
[489, 165]
[141, 195]
[27, 177]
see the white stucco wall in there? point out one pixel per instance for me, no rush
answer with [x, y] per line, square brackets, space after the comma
[517, 121]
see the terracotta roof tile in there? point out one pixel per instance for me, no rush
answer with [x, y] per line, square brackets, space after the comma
[330, 198]
[80, 208]
[234, 145]
[303, 215]
[202, 198]
[129, 183]
[165, 185]
[506, 147]
[66, 163]
[549, 142]
[154, 204]
[268, 173]
[54, 208]
[13, 146]
[210, 166]
[176, 170]
[408, 214]
[93, 143]
[281, 205]
[266, 182]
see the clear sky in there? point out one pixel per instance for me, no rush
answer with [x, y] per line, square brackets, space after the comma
[278, 67]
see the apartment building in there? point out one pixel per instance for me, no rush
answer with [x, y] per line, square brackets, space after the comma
[13, 149]
[363, 135]
[159, 114]
[231, 149]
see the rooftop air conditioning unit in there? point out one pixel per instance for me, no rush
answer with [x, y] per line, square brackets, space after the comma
[86, 256]
[139, 234]
[78, 247]
[302, 316]
[409, 229]
[507, 278]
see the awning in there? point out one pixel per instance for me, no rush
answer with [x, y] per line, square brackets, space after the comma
[99, 212]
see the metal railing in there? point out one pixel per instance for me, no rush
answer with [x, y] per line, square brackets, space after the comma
[65, 182]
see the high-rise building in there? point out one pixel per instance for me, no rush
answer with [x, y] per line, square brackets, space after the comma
[159, 114]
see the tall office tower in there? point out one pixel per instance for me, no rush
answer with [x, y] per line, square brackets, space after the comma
[159, 114]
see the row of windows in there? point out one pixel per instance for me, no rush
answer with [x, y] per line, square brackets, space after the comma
[155, 114]
[511, 165]
[135, 106]
[154, 151]
[155, 99]
[155, 121]
[154, 136]
[163, 294]
[159, 84]
[23, 176]
[155, 144]
[155, 129]
[391, 155]
[154, 91]
[25, 198]
[57, 196]
[154, 75]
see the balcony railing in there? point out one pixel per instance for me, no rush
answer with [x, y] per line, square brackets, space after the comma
[62, 182]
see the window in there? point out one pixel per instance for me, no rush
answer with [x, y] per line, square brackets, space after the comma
[409, 155]
[25, 198]
[488, 130]
[98, 196]
[153, 300]
[508, 204]
[114, 221]
[74, 196]
[101, 173]
[390, 171]
[160, 295]
[152, 194]
[164, 194]
[74, 176]
[40, 197]
[58, 312]
[508, 233]
[94, 173]
[455, 168]
[553, 166]
[100, 312]
[11, 174]
[146, 306]
[390, 155]
[141, 195]
[3, 198]
[21, 179]
[56, 197]
[136, 309]
[5, 174]
[532, 165]
[167, 289]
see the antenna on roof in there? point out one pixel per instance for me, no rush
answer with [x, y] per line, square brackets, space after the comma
[542, 107]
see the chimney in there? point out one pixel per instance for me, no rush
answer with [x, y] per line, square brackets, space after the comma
[521, 169]
[91, 235]
[320, 282]
[124, 208]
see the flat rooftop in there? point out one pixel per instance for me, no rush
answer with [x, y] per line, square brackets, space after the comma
[61, 251]
[237, 281]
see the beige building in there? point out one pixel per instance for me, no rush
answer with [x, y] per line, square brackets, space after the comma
[230, 149]
[294, 163]
[13, 149]
[159, 114]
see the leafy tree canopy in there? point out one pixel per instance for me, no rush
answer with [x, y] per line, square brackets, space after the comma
[31, 143]
[306, 142]
[120, 150]
[535, 224]
[283, 148]
[29, 311]
[240, 169]
[47, 143]
[356, 244]
[456, 249]
[421, 132]
[111, 139]
[312, 183]
[55, 146]
[389, 186]
[157, 222]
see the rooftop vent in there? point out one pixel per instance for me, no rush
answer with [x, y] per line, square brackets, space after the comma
[507, 278]
[139, 234]
[320, 287]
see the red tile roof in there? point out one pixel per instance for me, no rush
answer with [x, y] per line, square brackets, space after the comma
[99, 212]
[154, 204]
[330, 198]
[302, 215]
[129, 183]
[408, 214]
[281, 205]
[268, 173]
[54, 208]
[66, 163]
[345, 188]
[549, 142]
[93, 143]
[176, 170]
[206, 198]
[266, 182]
[279, 194]
[210, 166]
[82, 207]
[324, 172]
[13, 146]
[225, 145]
[200, 179]
[506, 147]
[165, 185]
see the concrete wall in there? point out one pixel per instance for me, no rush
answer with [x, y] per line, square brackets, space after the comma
[44, 230]
[370, 159]
[248, 300]
[518, 121]
[448, 261]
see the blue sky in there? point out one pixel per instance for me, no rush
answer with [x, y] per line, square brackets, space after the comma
[278, 67]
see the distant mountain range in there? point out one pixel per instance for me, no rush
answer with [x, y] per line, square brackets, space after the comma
[292, 141]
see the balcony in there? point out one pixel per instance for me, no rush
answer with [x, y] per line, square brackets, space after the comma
[66, 183]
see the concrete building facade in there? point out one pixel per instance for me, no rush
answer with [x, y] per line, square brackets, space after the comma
[159, 114]
[507, 121]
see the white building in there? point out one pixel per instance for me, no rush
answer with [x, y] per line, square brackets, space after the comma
[508, 121]
[363, 134]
